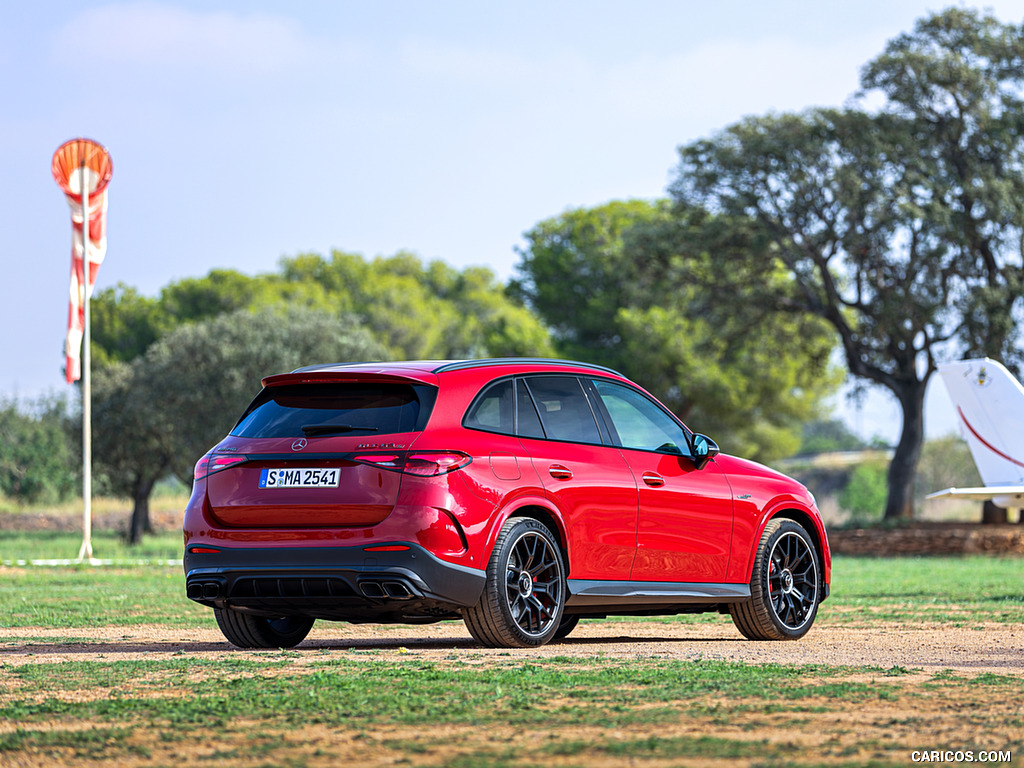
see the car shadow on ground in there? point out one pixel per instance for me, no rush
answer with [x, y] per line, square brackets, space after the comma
[395, 644]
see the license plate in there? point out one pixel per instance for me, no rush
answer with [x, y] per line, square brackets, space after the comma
[300, 477]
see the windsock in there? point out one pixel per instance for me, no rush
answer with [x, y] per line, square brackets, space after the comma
[82, 164]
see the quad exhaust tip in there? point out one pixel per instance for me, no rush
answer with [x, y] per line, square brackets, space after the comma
[203, 590]
[382, 590]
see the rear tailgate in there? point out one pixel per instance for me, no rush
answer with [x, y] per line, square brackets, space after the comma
[314, 489]
[293, 451]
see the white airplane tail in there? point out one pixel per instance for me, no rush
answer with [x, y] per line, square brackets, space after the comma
[989, 403]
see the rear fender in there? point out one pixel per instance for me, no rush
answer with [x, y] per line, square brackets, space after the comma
[540, 508]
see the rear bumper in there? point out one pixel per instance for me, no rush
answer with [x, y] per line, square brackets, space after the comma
[336, 583]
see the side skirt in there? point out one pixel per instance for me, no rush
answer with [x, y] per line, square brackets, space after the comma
[639, 594]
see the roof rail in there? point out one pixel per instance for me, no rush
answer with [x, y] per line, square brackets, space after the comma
[463, 364]
[459, 365]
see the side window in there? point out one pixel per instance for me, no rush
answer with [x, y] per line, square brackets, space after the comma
[527, 420]
[564, 409]
[640, 423]
[492, 409]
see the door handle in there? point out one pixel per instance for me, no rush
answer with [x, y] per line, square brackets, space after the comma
[559, 472]
[653, 479]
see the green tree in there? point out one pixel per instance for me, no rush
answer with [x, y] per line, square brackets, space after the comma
[422, 311]
[900, 226]
[630, 285]
[164, 410]
[577, 271]
[124, 323]
[414, 310]
[37, 463]
[132, 438]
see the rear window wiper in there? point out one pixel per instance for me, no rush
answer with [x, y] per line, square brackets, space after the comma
[310, 430]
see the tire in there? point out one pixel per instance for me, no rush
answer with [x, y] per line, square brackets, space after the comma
[565, 626]
[785, 586]
[248, 631]
[521, 605]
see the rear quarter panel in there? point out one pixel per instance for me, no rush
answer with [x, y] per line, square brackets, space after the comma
[502, 479]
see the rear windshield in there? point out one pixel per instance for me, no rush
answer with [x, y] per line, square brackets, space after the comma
[318, 410]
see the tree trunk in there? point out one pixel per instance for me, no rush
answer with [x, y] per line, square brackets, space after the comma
[141, 524]
[993, 515]
[900, 503]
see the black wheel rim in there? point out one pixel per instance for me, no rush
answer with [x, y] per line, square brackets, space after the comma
[792, 581]
[533, 584]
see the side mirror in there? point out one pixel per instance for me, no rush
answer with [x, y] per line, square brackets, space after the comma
[704, 450]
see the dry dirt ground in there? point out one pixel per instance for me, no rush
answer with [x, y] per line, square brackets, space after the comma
[878, 732]
[972, 649]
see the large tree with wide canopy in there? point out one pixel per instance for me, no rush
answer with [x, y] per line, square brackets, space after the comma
[901, 219]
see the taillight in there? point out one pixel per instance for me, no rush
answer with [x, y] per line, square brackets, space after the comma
[384, 461]
[215, 462]
[430, 463]
[422, 463]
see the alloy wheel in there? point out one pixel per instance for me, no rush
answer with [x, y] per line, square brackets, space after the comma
[533, 583]
[792, 580]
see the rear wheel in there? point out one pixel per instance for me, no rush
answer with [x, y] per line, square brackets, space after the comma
[785, 587]
[521, 605]
[248, 631]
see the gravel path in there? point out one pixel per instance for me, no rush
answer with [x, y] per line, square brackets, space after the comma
[988, 647]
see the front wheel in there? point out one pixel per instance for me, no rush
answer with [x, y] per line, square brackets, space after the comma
[785, 586]
[248, 631]
[521, 605]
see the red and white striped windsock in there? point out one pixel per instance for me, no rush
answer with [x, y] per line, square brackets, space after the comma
[74, 160]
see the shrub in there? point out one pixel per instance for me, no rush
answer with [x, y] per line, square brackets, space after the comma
[864, 495]
[37, 462]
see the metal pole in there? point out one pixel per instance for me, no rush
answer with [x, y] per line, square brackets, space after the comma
[85, 553]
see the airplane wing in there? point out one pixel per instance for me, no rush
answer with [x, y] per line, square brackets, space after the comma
[1001, 495]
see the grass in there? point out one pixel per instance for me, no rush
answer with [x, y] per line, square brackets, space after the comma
[914, 589]
[55, 532]
[422, 693]
[84, 597]
[508, 713]
[106, 545]
[957, 578]
[329, 706]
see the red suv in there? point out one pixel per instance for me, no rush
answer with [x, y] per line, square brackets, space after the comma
[518, 495]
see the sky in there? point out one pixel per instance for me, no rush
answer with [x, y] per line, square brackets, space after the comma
[244, 132]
